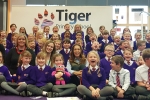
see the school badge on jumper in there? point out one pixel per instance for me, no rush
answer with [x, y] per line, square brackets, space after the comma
[1, 73]
[26, 75]
[99, 74]
[19, 77]
[46, 72]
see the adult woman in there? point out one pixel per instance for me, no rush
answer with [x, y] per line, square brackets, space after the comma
[23, 30]
[12, 57]
[49, 49]
[76, 63]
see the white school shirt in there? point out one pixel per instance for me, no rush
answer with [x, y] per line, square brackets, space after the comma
[131, 62]
[136, 54]
[124, 76]
[25, 66]
[141, 73]
[43, 67]
[96, 67]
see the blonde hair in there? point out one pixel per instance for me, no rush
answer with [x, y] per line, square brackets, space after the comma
[25, 53]
[59, 42]
[39, 33]
[98, 63]
[116, 36]
[54, 58]
[110, 46]
[127, 33]
[26, 40]
[2, 58]
[76, 26]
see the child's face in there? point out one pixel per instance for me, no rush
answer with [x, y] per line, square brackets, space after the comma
[126, 30]
[105, 36]
[3, 35]
[125, 45]
[117, 40]
[55, 29]
[49, 47]
[55, 37]
[143, 46]
[95, 46]
[127, 37]
[109, 52]
[141, 61]
[47, 29]
[40, 43]
[67, 35]
[66, 45]
[35, 29]
[89, 31]
[40, 36]
[58, 61]
[79, 36]
[41, 61]
[67, 27]
[77, 51]
[13, 28]
[138, 36]
[77, 28]
[31, 37]
[79, 43]
[92, 59]
[127, 55]
[148, 37]
[26, 60]
[22, 30]
[57, 45]
[113, 32]
[102, 29]
[32, 45]
[1, 58]
[114, 66]
[93, 38]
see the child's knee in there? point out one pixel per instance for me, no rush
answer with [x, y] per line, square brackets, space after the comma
[80, 88]
[50, 85]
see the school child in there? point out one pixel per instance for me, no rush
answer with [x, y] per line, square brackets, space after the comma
[40, 35]
[3, 42]
[55, 36]
[142, 77]
[89, 31]
[141, 45]
[3, 36]
[13, 29]
[93, 38]
[25, 75]
[61, 87]
[105, 40]
[147, 37]
[112, 35]
[124, 31]
[138, 37]
[116, 43]
[119, 79]
[101, 29]
[55, 29]
[35, 29]
[66, 50]
[77, 28]
[94, 80]
[105, 62]
[130, 65]
[58, 45]
[127, 37]
[43, 85]
[67, 29]
[23, 31]
[41, 43]
[67, 34]
[123, 45]
[13, 40]
[140, 61]
[4, 72]
[33, 46]
[31, 37]
[46, 31]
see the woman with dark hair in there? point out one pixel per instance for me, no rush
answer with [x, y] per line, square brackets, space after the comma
[76, 63]
[23, 30]
[12, 57]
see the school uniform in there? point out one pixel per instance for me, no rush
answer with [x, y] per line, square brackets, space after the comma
[43, 82]
[142, 75]
[121, 79]
[62, 90]
[105, 64]
[134, 45]
[62, 36]
[131, 67]
[83, 45]
[65, 55]
[116, 46]
[147, 45]
[9, 36]
[122, 38]
[96, 78]
[74, 35]
[137, 54]
[119, 52]
[8, 44]
[100, 38]
[75, 66]
[47, 36]
[4, 72]
[110, 38]
[88, 47]
[87, 39]
[104, 43]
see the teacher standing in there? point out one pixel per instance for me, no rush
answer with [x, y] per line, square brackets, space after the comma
[12, 57]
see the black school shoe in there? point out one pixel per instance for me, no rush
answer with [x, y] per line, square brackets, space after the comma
[142, 97]
[131, 97]
[23, 94]
[49, 94]
[109, 98]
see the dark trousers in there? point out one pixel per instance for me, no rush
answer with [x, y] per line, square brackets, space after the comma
[75, 80]
[39, 90]
[140, 90]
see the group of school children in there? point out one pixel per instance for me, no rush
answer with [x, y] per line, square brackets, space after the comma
[117, 67]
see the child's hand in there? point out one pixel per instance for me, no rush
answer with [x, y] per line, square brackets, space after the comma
[121, 94]
[107, 81]
[97, 93]
[14, 74]
[57, 76]
[94, 93]
[60, 74]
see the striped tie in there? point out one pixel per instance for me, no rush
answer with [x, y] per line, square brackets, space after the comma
[118, 79]
[23, 68]
[41, 69]
[149, 76]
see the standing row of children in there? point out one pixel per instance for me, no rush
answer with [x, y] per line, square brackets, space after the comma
[110, 72]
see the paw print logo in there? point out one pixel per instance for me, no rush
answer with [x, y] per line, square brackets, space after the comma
[47, 20]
